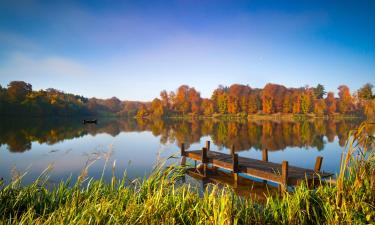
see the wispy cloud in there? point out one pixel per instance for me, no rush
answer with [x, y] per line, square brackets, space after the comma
[15, 41]
[21, 65]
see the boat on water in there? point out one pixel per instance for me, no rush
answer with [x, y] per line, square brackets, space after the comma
[90, 121]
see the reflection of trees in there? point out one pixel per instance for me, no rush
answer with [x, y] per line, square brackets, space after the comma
[273, 135]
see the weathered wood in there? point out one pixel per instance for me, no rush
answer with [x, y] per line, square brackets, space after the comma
[265, 155]
[256, 168]
[208, 145]
[204, 157]
[232, 150]
[182, 149]
[235, 163]
[183, 161]
[235, 166]
[318, 163]
[243, 186]
[284, 174]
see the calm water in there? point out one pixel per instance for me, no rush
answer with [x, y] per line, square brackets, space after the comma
[32, 144]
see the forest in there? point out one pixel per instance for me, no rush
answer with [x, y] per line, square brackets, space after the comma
[237, 100]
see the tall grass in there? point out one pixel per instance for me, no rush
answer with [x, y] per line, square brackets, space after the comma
[162, 199]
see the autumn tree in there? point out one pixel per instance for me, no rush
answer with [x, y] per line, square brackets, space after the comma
[254, 103]
[18, 90]
[306, 100]
[287, 103]
[232, 104]
[296, 102]
[157, 108]
[164, 98]
[319, 107]
[238, 98]
[195, 100]
[345, 100]
[182, 99]
[142, 111]
[219, 98]
[330, 103]
[172, 100]
[113, 104]
[267, 98]
[207, 107]
[273, 98]
[369, 108]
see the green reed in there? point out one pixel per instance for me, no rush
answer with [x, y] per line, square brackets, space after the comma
[162, 198]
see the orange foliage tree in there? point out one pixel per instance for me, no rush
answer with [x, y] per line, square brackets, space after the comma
[331, 103]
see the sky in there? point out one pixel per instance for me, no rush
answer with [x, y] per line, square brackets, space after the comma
[135, 49]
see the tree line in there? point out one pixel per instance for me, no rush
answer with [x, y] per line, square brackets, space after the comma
[242, 100]
[18, 98]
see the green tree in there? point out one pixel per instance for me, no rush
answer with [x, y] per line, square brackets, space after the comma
[365, 92]
[319, 91]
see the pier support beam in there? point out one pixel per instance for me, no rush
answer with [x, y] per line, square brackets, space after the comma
[235, 167]
[208, 145]
[183, 161]
[284, 175]
[204, 160]
[318, 164]
[265, 155]
[265, 159]
[182, 149]
[232, 150]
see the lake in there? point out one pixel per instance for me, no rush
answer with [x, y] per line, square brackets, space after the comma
[137, 145]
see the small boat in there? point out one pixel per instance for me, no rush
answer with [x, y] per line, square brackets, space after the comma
[90, 121]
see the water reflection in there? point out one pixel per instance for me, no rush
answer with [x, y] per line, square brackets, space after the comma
[18, 135]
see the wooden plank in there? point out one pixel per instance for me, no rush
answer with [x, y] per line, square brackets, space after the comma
[257, 168]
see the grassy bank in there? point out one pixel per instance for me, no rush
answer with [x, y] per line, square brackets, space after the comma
[162, 199]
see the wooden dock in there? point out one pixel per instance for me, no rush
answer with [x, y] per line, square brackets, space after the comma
[283, 174]
[242, 187]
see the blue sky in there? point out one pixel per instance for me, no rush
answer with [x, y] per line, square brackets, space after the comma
[135, 49]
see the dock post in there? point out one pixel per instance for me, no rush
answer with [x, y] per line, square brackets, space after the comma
[235, 166]
[232, 150]
[284, 175]
[265, 155]
[265, 159]
[183, 161]
[204, 159]
[182, 149]
[208, 145]
[318, 163]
